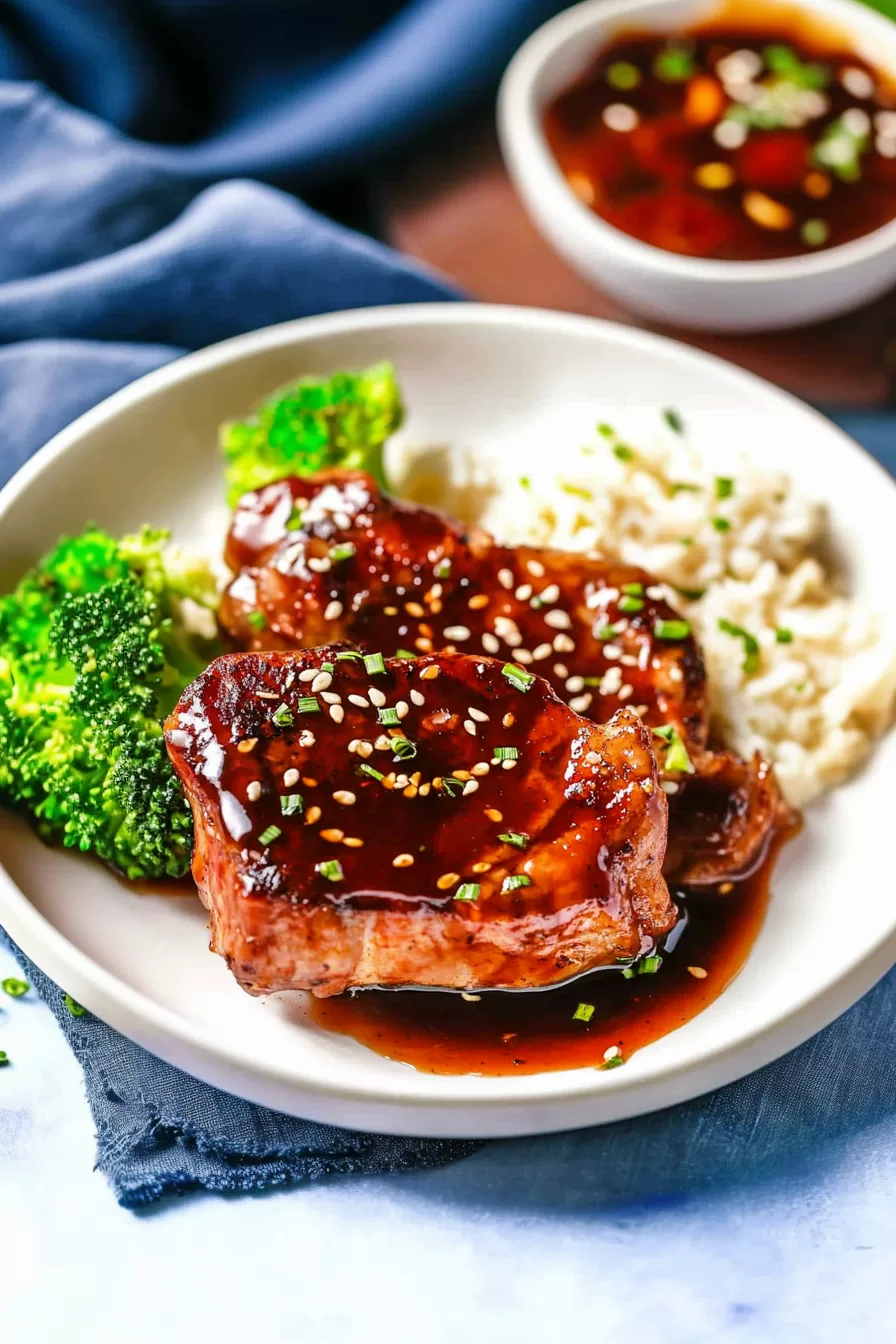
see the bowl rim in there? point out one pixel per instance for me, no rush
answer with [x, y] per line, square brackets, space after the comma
[395, 1101]
[524, 143]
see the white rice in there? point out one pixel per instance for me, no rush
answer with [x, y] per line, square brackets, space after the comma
[817, 703]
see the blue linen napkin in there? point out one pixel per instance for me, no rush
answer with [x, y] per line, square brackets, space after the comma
[117, 256]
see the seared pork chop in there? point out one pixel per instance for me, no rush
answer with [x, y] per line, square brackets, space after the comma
[330, 557]
[445, 821]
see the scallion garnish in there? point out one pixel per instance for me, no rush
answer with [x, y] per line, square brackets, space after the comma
[388, 717]
[783, 636]
[674, 64]
[518, 838]
[257, 620]
[607, 632]
[623, 452]
[724, 487]
[751, 645]
[518, 677]
[282, 715]
[269, 834]
[308, 704]
[344, 551]
[506, 754]
[331, 869]
[673, 420]
[672, 629]
[4, 1059]
[525, 483]
[73, 1006]
[623, 75]
[327, 667]
[452, 786]
[633, 589]
[290, 803]
[467, 891]
[613, 1062]
[405, 655]
[373, 663]
[631, 604]
[349, 655]
[366, 769]
[294, 521]
[606, 431]
[14, 987]
[721, 524]
[404, 749]
[514, 880]
[677, 758]
[684, 487]
[583, 1013]
[443, 569]
[692, 594]
[646, 966]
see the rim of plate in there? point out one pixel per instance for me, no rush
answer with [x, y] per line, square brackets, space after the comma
[414, 1089]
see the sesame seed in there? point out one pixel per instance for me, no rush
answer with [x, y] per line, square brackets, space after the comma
[461, 774]
[376, 697]
[342, 520]
[508, 720]
[353, 842]
[267, 695]
[668, 786]
[333, 835]
[430, 673]
[509, 765]
[524, 592]
[478, 601]
[447, 880]
[319, 566]
[697, 972]
[612, 651]
[541, 651]
[575, 684]
[423, 644]
[628, 660]
[345, 797]
[364, 748]
[560, 670]
[726, 888]
[309, 674]
[400, 780]
[410, 791]
[333, 610]
[417, 697]
[580, 703]
[522, 656]
[470, 787]
[247, 744]
[676, 674]
[478, 714]
[563, 644]
[414, 609]
[490, 643]
[424, 789]
[253, 791]
[558, 619]
[353, 745]
[481, 768]
[505, 578]
[309, 782]
[322, 682]
[306, 738]
[656, 592]
[456, 632]
[337, 713]
[402, 709]
[536, 568]
[390, 611]
[481, 867]
[612, 1051]
[383, 742]
[493, 814]
[550, 594]
[592, 758]
[359, 701]
[470, 727]
[331, 697]
[290, 777]
[312, 815]
[625, 691]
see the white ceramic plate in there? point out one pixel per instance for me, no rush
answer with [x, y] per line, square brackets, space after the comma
[488, 378]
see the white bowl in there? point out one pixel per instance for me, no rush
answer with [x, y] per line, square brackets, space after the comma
[686, 291]
[509, 380]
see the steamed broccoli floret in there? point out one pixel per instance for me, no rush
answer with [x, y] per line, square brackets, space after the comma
[343, 421]
[94, 652]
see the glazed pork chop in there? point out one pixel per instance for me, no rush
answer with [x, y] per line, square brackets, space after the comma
[330, 557]
[446, 821]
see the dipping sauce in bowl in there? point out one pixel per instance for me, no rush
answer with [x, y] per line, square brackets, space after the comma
[730, 144]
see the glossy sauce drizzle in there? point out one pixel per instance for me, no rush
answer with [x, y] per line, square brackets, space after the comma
[537, 1032]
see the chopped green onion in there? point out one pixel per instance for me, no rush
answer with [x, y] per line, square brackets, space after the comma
[269, 834]
[331, 869]
[327, 667]
[673, 420]
[73, 1006]
[592, 681]
[291, 803]
[685, 541]
[294, 521]
[674, 64]
[506, 754]
[751, 645]
[514, 880]
[405, 655]
[467, 891]
[404, 749]
[344, 551]
[672, 629]
[443, 569]
[633, 589]
[583, 1013]
[606, 431]
[724, 487]
[677, 757]
[525, 483]
[369, 770]
[631, 604]
[692, 594]
[452, 786]
[613, 1062]
[783, 636]
[814, 232]
[518, 677]
[373, 663]
[721, 524]
[646, 966]
[308, 704]
[623, 75]
[518, 838]
[623, 452]
[578, 490]
[4, 1059]
[606, 632]
[257, 620]
[684, 487]
[282, 715]
[350, 655]
[388, 717]
[784, 61]
[14, 987]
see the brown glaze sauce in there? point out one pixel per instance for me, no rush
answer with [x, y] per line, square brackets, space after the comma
[515, 1033]
[756, 135]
